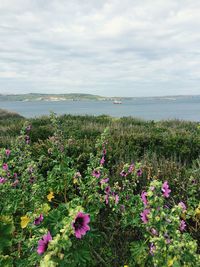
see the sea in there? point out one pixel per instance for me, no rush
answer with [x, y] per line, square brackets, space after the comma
[142, 108]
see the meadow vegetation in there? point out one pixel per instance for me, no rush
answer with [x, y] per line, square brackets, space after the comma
[99, 191]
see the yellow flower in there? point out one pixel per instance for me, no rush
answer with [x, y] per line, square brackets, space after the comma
[171, 262]
[50, 196]
[24, 221]
[125, 265]
[75, 181]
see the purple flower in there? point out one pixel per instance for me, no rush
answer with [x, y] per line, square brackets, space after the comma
[2, 180]
[104, 181]
[38, 220]
[107, 190]
[106, 199]
[96, 173]
[8, 152]
[152, 249]
[182, 205]
[15, 175]
[182, 225]
[139, 172]
[5, 166]
[154, 231]
[144, 198]
[144, 215]
[116, 199]
[104, 151]
[131, 168]
[80, 224]
[102, 160]
[15, 183]
[123, 173]
[165, 189]
[43, 243]
[28, 128]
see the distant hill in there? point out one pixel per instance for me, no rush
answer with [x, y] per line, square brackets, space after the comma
[50, 97]
[83, 97]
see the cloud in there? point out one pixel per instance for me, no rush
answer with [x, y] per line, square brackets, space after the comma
[129, 47]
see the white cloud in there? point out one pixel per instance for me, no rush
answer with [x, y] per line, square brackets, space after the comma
[132, 47]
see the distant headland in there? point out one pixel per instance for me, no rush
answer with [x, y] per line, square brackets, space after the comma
[82, 97]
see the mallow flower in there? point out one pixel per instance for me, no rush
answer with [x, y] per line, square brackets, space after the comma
[165, 189]
[43, 243]
[38, 220]
[80, 224]
[144, 197]
[144, 215]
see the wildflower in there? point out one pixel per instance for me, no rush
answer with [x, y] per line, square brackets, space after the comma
[38, 220]
[152, 249]
[139, 172]
[106, 199]
[2, 180]
[5, 166]
[182, 225]
[165, 189]
[50, 196]
[96, 173]
[131, 168]
[24, 221]
[8, 152]
[144, 198]
[15, 183]
[107, 190]
[28, 128]
[182, 205]
[104, 181]
[102, 160]
[15, 175]
[154, 231]
[43, 243]
[80, 224]
[123, 173]
[144, 215]
[116, 199]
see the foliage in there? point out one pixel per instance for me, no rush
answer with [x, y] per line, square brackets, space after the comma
[62, 208]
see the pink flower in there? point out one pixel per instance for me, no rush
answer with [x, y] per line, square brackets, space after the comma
[116, 199]
[182, 225]
[43, 243]
[123, 173]
[165, 189]
[8, 152]
[107, 190]
[154, 231]
[80, 224]
[139, 172]
[38, 220]
[104, 181]
[106, 199]
[2, 180]
[15, 183]
[102, 160]
[144, 198]
[152, 249]
[182, 205]
[144, 215]
[5, 166]
[131, 168]
[96, 173]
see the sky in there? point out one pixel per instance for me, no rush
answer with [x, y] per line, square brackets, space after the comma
[103, 47]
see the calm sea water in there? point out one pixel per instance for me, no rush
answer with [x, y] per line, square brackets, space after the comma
[150, 109]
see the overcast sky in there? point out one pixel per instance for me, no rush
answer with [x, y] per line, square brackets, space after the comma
[105, 47]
